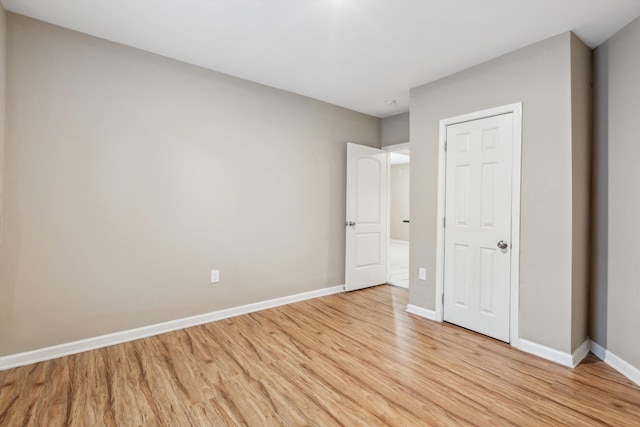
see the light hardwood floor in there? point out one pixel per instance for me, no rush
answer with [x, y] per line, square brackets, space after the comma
[353, 359]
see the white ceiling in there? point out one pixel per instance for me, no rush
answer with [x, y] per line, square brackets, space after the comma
[353, 53]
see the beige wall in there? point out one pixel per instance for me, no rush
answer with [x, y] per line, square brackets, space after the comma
[615, 306]
[399, 201]
[599, 198]
[540, 76]
[130, 176]
[581, 138]
[4, 302]
[395, 129]
[3, 60]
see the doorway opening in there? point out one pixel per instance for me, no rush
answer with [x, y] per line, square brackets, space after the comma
[399, 221]
[377, 247]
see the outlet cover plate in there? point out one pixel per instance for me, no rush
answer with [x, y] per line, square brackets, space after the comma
[215, 276]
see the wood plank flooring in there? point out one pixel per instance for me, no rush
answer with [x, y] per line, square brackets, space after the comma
[353, 359]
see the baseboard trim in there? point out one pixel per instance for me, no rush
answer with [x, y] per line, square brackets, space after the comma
[598, 350]
[581, 352]
[400, 242]
[557, 356]
[74, 347]
[422, 312]
[620, 365]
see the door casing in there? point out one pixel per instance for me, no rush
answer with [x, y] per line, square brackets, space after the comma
[516, 109]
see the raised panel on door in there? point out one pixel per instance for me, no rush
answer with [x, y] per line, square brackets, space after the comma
[488, 281]
[461, 276]
[367, 252]
[368, 192]
[478, 213]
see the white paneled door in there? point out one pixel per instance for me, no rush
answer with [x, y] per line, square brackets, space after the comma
[366, 222]
[477, 229]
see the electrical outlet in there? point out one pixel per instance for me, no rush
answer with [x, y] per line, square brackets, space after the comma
[422, 273]
[215, 276]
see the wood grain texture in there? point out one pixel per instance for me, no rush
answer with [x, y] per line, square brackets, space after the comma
[353, 359]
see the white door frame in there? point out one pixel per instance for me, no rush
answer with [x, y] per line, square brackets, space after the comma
[516, 109]
[396, 147]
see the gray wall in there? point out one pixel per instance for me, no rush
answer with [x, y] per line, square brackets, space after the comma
[3, 60]
[399, 201]
[599, 198]
[581, 143]
[395, 129]
[130, 176]
[4, 302]
[540, 76]
[616, 299]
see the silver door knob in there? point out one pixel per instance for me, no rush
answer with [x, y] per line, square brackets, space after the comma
[502, 244]
[350, 223]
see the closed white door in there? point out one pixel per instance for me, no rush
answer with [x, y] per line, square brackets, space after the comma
[366, 222]
[478, 225]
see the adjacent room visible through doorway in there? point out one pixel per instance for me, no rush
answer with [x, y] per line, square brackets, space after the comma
[399, 263]
[398, 273]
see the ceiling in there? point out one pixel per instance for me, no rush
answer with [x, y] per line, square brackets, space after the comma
[359, 54]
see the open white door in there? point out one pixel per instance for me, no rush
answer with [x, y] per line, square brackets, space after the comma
[366, 223]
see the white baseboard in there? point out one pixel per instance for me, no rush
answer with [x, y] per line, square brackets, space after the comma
[74, 347]
[620, 365]
[557, 356]
[422, 312]
[581, 352]
[399, 242]
[598, 350]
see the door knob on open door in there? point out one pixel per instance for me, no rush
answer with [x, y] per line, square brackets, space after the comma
[350, 223]
[502, 244]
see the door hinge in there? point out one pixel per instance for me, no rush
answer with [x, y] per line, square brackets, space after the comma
[444, 221]
[443, 298]
[445, 146]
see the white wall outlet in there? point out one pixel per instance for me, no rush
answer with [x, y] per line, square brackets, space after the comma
[215, 276]
[422, 273]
